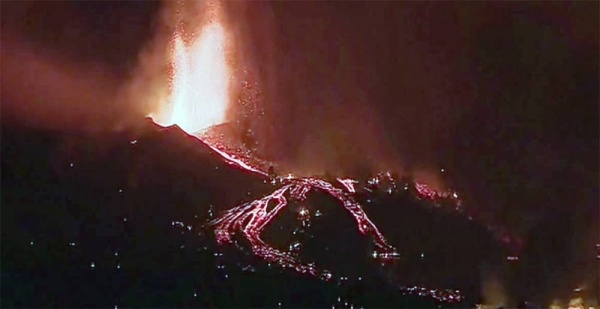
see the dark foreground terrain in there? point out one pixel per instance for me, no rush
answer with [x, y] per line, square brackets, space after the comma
[118, 221]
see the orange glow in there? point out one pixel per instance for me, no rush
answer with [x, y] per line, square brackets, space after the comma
[576, 303]
[199, 92]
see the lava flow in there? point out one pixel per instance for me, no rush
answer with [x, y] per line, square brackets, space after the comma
[199, 98]
[251, 219]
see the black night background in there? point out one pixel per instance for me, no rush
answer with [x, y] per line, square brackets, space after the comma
[492, 105]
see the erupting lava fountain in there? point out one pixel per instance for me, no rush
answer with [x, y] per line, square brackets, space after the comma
[199, 81]
[199, 98]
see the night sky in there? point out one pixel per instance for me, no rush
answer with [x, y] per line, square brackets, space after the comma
[502, 95]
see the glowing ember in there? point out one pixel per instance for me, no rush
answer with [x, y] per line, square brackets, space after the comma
[200, 78]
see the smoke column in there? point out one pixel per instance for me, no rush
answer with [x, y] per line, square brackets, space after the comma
[306, 88]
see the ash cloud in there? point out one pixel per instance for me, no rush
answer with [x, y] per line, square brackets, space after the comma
[79, 67]
[318, 115]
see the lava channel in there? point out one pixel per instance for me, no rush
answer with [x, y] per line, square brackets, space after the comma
[251, 219]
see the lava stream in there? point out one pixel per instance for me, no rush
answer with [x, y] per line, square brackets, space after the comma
[348, 184]
[199, 98]
[233, 160]
[257, 215]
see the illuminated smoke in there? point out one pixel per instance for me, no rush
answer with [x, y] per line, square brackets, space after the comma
[60, 72]
[39, 88]
[493, 289]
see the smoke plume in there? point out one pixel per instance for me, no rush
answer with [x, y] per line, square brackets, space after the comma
[72, 70]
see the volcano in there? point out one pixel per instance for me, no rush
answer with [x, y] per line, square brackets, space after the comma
[195, 228]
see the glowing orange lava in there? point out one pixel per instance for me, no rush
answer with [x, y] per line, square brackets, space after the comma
[199, 92]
